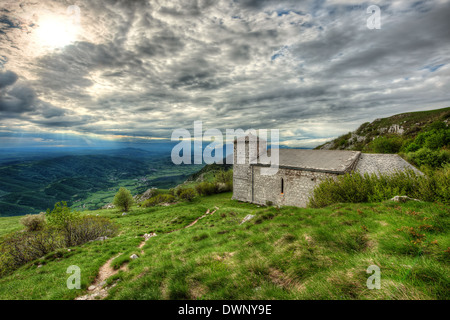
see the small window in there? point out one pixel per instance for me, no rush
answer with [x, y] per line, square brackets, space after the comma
[282, 186]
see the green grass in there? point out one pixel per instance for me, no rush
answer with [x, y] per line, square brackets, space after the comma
[287, 253]
[10, 224]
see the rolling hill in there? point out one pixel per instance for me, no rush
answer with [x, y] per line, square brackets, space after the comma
[84, 181]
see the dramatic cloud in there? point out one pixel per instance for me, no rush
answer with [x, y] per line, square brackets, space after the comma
[7, 78]
[312, 69]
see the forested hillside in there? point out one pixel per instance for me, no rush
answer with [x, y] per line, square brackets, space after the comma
[84, 181]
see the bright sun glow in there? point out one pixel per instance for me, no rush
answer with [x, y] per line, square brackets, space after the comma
[56, 32]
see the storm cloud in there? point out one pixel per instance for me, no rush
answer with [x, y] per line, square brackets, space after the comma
[312, 69]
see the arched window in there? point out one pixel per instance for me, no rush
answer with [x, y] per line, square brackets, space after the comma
[282, 186]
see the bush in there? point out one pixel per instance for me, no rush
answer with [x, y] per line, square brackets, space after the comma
[160, 198]
[224, 176]
[386, 144]
[123, 199]
[412, 147]
[436, 140]
[89, 228]
[61, 215]
[33, 222]
[206, 188]
[441, 180]
[22, 247]
[225, 187]
[429, 158]
[178, 191]
[223, 182]
[355, 188]
[187, 194]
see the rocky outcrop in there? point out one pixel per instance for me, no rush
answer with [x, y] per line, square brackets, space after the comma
[406, 125]
[146, 195]
[403, 199]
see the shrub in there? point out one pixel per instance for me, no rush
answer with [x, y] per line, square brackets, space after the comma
[187, 194]
[160, 198]
[442, 184]
[386, 144]
[224, 187]
[61, 215]
[412, 147]
[354, 188]
[207, 188]
[436, 138]
[22, 247]
[178, 191]
[123, 199]
[33, 222]
[89, 228]
[224, 176]
[429, 158]
[223, 182]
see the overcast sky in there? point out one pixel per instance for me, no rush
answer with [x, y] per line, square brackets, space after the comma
[140, 69]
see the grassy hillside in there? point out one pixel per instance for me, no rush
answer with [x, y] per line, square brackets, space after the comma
[287, 253]
[405, 125]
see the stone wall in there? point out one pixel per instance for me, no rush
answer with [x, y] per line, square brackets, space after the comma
[242, 182]
[297, 184]
[242, 172]
[250, 186]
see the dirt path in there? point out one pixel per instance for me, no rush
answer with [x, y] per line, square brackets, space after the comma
[196, 220]
[99, 290]
[98, 287]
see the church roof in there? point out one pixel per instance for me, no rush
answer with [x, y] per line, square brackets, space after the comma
[383, 163]
[333, 161]
[340, 161]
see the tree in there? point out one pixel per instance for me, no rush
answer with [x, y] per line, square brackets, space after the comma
[123, 199]
[61, 215]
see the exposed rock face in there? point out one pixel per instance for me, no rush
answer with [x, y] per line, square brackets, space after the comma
[396, 129]
[327, 146]
[247, 218]
[149, 235]
[403, 199]
[146, 195]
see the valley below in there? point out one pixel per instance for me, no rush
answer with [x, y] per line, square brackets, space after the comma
[86, 181]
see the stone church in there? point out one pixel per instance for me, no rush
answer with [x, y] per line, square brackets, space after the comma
[300, 171]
